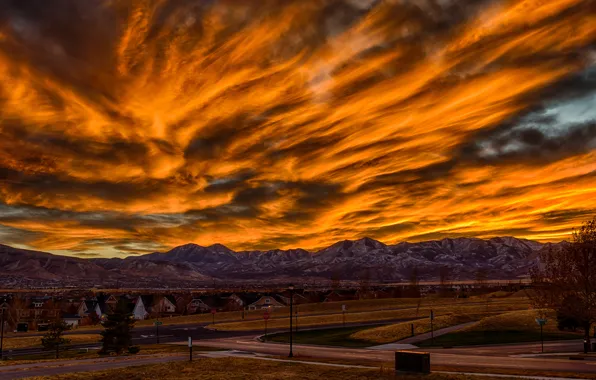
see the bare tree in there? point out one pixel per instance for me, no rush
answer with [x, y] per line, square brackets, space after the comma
[414, 287]
[444, 280]
[364, 284]
[481, 278]
[335, 281]
[565, 279]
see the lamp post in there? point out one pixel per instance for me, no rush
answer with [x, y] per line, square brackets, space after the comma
[2, 331]
[291, 289]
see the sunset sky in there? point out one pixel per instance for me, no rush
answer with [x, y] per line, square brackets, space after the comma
[133, 126]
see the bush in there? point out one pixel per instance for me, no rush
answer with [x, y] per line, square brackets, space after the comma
[134, 350]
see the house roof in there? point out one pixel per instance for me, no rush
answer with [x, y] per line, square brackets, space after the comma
[171, 298]
[272, 297]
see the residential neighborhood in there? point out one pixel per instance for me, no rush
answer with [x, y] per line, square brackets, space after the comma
[32, 311]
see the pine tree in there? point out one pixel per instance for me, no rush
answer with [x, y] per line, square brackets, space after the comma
[53, 339]
[117, 335]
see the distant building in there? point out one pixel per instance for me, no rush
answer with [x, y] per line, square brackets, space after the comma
[265, 302]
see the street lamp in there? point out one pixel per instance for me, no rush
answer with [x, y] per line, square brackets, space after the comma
[291, 289]
[2, 331]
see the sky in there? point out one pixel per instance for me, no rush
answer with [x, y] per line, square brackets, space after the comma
[134, 126]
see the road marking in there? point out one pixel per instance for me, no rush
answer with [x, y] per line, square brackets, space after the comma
[505, 376]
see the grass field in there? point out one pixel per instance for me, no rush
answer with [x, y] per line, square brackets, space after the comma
[314, 309]
[146, 349]
[326, 337]
[383, 315]
[13, 343]
[395, 332]
[239, 369]
[512, 327]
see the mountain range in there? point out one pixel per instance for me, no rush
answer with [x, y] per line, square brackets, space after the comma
[502, 258]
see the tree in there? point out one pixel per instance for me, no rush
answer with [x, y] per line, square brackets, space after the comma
[444, 280]
[335, 281]
[414, 288]
[53, 338]
[182, 303]
[364, 284]
[481, 277]
[117, 335]
[565, 279]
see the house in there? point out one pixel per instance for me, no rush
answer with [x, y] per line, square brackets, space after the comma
[197, 305]
[108, 303]
[88, 307]
[71, 320]
[164, 305]
[265, 302]
[142, 307]
[234, 303]
[341, 295]
[36, 311]
[206, 303]
[297, 298]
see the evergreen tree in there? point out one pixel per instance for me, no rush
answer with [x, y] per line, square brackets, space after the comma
[117, 335]
[53, 338]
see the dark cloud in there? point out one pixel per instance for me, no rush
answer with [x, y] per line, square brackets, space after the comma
[179, 120]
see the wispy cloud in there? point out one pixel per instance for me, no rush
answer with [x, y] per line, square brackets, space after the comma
[132, 127]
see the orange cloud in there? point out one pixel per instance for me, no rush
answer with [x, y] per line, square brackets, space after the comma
[154, 123]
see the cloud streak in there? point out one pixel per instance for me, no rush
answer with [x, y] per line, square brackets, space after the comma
[132, 126]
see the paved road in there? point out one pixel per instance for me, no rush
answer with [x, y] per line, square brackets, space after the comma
[464, 359]
[176, 333]
[438, 357]
[564, 346]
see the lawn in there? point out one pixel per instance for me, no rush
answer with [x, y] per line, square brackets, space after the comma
[326, 337]
[398, 331]
[378, 316]
[240, 369]
[314, 309]
[146, 349]
[512, 327]
[13, 343]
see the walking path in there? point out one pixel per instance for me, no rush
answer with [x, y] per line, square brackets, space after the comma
[408, 343]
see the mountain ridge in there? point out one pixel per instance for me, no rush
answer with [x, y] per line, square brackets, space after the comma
[503, 258]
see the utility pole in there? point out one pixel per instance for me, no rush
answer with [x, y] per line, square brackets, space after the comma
[2, 333]
[432, 334]
[291, 288]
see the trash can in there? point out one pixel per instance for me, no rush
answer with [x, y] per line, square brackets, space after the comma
[410, 361]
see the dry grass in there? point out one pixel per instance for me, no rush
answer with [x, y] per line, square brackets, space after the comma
[512, 327]
[35, 341]
[393, 333]
[517, 320]
[314, 309]
[412, 313]
[240, 369]
[515, 371]
[304, 309]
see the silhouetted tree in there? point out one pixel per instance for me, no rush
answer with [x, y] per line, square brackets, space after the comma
[53, 338]
[565, 279]
[117, 336]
